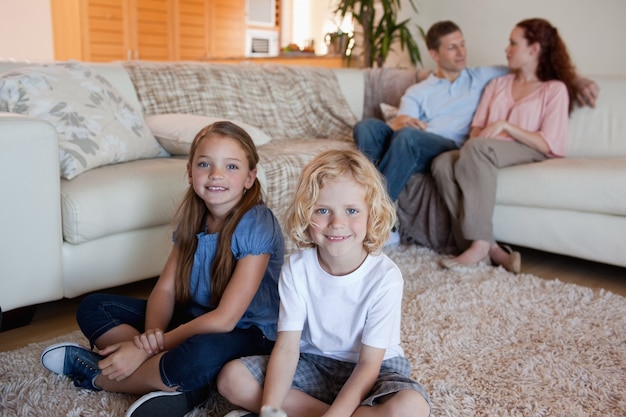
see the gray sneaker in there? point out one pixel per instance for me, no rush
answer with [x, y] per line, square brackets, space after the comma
[74, 361]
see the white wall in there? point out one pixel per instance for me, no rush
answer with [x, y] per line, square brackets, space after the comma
[593, 29]
[306, 20]
[26, 30]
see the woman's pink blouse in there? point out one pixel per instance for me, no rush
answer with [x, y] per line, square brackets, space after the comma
[544, 111]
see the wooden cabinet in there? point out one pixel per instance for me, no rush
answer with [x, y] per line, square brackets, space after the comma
[151, 27]
[209, 28]
[90, 30]
[155, 30]
[108, 30]
[191, 29]
[228, 28]
[311, 61]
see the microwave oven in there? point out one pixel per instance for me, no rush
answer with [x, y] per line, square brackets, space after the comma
[261, 43]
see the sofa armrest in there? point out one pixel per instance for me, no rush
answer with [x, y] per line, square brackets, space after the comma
[30, 213]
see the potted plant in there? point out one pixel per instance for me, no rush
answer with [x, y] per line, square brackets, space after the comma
[380, 32]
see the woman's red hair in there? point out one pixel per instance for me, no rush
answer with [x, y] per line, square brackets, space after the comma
[554, 60]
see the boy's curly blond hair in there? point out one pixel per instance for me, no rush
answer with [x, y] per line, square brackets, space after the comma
[331, 165]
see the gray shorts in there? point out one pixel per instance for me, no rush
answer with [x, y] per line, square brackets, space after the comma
[322, 377]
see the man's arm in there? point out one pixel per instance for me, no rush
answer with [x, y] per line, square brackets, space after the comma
[587, 91]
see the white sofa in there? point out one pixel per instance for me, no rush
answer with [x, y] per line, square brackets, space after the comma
[576, 205]
[111, 225]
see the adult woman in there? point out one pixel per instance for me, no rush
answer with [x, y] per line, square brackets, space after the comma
[521, 118]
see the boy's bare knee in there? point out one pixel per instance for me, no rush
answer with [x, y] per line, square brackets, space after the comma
[407, 403]
[229, 378]
[418, 404]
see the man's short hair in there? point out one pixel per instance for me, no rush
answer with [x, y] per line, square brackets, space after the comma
[438, 31]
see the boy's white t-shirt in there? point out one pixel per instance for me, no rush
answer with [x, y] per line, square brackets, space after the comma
[337, 314]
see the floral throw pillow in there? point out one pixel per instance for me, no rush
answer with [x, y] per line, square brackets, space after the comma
[95, 125]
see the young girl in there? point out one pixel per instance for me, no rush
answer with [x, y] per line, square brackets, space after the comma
[338, 347]
[216, 300]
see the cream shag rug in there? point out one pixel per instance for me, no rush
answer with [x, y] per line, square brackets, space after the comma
[483, 342]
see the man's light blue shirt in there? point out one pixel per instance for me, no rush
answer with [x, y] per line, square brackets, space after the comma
[447, 107]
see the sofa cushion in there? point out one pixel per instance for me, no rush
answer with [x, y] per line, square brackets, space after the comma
[389, 112]
[123, 197]
[95, 124]
[600, 132]
[176, 131]
[287, 102]
[584, 185]
[385, 85]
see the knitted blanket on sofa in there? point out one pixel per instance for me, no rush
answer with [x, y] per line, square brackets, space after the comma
[286, 102]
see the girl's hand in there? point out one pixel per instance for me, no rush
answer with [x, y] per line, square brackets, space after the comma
[122, 359]
[152, 341]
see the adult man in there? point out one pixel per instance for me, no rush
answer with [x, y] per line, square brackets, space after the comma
[435, 114]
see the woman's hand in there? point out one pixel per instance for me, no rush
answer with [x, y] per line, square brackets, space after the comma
[494, 129]
[525, 137]
[152, 341]
[122, 359]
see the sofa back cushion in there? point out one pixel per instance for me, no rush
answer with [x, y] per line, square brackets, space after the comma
[601, 131]
[385, 86]
[286, 102]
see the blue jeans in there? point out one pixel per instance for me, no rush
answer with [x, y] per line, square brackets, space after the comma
[399, 154]
[190, 365]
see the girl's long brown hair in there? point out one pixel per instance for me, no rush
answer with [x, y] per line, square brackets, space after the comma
[191, 216]
[554, 60]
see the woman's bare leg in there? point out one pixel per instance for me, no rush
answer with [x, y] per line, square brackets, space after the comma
[478, 251]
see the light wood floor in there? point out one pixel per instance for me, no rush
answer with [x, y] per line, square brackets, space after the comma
[57, 318]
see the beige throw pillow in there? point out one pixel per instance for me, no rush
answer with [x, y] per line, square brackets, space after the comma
[389, 112]
[176, 131]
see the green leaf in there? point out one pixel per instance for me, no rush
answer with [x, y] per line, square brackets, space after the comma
[380, 34]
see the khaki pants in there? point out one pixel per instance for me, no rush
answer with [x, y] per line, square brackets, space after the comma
[467, 180]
